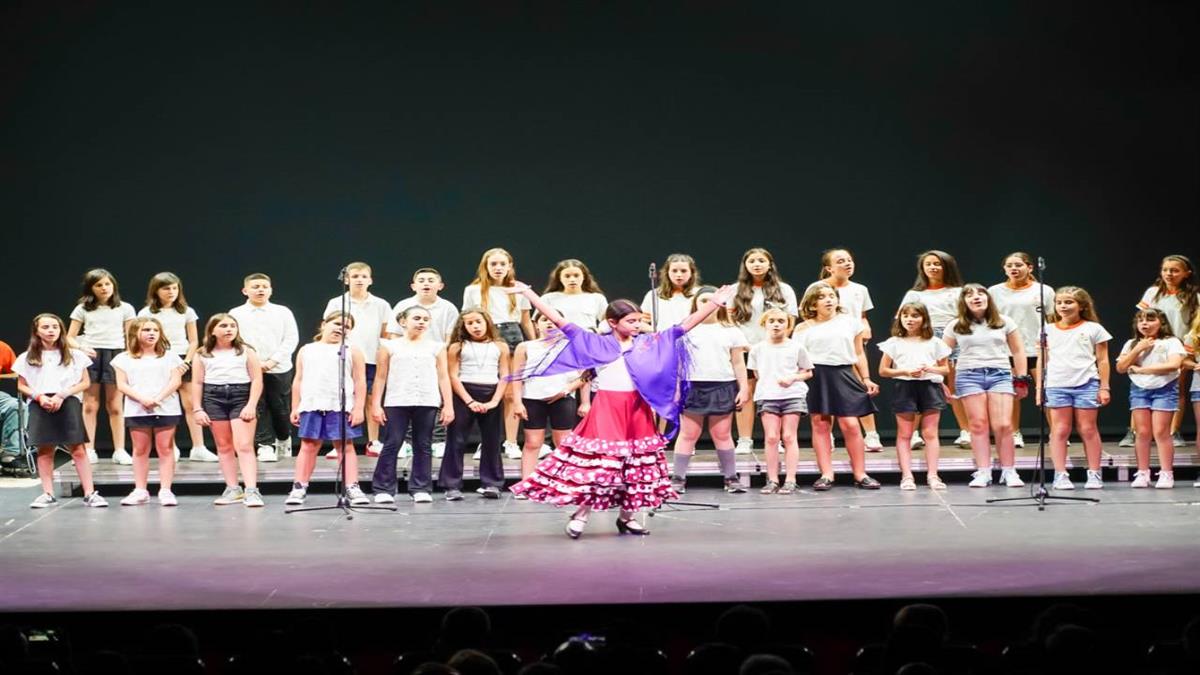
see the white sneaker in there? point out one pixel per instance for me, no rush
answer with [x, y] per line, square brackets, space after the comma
[917, 441]
[1127, 441]
[422, 498]
[745, 446]
[356, 496]
[1166, 480]
[232, 495]
[512, 450]
[384, 498]
[43, 500]
[94, 500]
[964, 440]
[981, 478]
[374, 449]
[200, 453]
[297, 495]
[136, 498]
[332, 454]
[1141, 479]
[478, 453]
[544, 451]
[872, 442]
[1094, 481]
[120, 456]
[439, 449]
[1011, 478]
[268, 453]
[1062, 481]
[177, 453]
[167, 498]
[254, 498]
[1018, 440]
[284, 447]
[406, 449]
[92, 456]
[1177, 439]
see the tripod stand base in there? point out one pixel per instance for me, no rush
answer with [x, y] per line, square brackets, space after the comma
[344, 504]
[674, 503]
[1040, 496]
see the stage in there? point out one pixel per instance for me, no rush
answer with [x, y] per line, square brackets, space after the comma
[842, 544]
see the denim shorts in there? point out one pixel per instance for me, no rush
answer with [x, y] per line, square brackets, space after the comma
[224, 402]
[938, 333]
[1085, 396]
[1196, 395]
[1164, 399]
[983, 381]
[371, 367]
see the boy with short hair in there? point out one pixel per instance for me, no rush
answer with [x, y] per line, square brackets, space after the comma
[271, 330]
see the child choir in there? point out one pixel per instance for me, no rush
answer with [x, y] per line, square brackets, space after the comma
[419, 375]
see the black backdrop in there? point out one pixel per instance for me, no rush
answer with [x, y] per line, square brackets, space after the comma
[215, 140]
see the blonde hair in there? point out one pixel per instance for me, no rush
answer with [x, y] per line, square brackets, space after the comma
[484, 280]
[131, 338]
[808, 305]
[346, 317]
[359, 265]
[775, 311]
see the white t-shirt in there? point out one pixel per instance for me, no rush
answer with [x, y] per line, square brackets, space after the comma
[582, 309]
[226, 366]
[547, 385]
[710, 345]
[1071, 353]
[1023, 306]
[772, 361]
[479, 362]
[1169, 304]
[755, 333]
[103, 327]
[613, 377]
[412, 373]
[1189, 345]
[174, 325]
[370, 316]
[497, 303]
[913, 352]
[443, 315]
[854, 298]
[941, 303]
[148, 375]
[52, 377]
[983, 347]
[671, 312]
[1159, 354]
[319, 388]
[830, 343]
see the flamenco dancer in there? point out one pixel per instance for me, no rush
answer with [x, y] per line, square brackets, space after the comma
[614, 457]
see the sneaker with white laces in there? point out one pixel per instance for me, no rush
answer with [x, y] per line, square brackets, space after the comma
[872, 442]
[1166, 480]
[439, 449]
[268, 453]
[283, 447]
[745, 445]
[374, 448]
[43, 500]
[254, 498]
[1094, 481]
[93, 458]
[355, 494]
[136, 498]
[1062, 481]
[478, 453]
[544, 451]
[917, 441]
[95, 501]
[298, 494]
[422, 498]
[167, 498]
[1128, 440]
[384, 498]
[1177, 439]
[232, 495]
[405, 449]
[1141, 479]
[1010, 478]
[121, 456]
[512, 450]
[332, 454]
[1018, 440]
[201, 453]
[964, 440]
[981, 478]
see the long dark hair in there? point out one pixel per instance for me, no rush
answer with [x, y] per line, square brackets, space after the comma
[951, 277]
[210, 340]
[665, 288]
[555, 284]
[34, 355]
[772, 295]
[87, 297]
[1164, 326]
[1187, 290]
[965, 322]
[161, 280]
[460, 334]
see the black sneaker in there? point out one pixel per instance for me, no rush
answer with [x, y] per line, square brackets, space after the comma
[490, 493]
[734, 486]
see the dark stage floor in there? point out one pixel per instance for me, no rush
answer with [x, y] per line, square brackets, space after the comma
[840, 544]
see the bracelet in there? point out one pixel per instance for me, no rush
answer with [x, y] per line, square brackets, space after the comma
[197, 410]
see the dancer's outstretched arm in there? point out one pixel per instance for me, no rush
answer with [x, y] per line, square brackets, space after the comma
[537, 302]
[719, 299]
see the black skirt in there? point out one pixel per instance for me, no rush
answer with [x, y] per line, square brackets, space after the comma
[711, 398]
[64, 427]
[836, 390]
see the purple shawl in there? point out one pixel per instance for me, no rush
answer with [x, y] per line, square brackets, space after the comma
[658, 364]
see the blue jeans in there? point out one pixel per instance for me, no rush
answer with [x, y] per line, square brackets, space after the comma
[1085, 396]
[983, 380]
[1163, 399]
[10, 439]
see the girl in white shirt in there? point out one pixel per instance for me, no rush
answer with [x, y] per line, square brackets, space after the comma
[98, 325]
[1152, 360]
[1190, 342]
[837, 266]
[1021, 298]
[165, 301]
[919, 362]
[718, 387]
[781, 366]
[477, 360]
[938, 287]
[318, 410]
[227, 381]
[759, 286]
[990, 355]
[841, 388]
[678, 280]
[52, 376]
[412, 386]
[149, 375]
[545, 400]
[573, 291]
[1076, 378]
[1176, 292]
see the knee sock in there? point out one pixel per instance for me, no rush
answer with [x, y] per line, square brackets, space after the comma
[681, 465]
[727, 463]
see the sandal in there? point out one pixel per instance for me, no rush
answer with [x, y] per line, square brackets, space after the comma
[788, 488]
[907, 483]
[866, 483]
[935, 483]
[822, 484]
[770, 488]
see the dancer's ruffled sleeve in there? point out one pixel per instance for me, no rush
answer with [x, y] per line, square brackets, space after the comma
[658, 365]
[572, 348]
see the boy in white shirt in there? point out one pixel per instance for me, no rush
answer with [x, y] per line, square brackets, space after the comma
[271, 330]
[371, 314]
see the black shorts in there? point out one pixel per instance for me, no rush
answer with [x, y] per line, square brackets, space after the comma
[917, 396]
[512, 335]
[101, 370]
[561, 414]
[152, 421]
[223, 402]
[64, 427]
[711, 398]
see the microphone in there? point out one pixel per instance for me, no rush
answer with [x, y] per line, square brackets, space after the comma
[1041, 263]
[653, 271]
[342, 273]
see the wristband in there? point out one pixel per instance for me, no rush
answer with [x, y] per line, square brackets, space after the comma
[1022, 380]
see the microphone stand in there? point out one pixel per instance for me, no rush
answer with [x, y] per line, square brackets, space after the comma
[1038, 492]
[343, 502]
